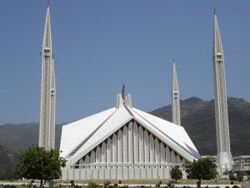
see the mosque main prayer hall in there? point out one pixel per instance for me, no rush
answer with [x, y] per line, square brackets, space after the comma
[123, 142]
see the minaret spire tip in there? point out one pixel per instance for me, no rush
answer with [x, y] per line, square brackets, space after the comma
[176, 117]
[48, 3]
[214, 11]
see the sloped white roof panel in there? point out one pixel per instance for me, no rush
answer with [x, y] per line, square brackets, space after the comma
[113, 123]
[74, 133]
[176, 134]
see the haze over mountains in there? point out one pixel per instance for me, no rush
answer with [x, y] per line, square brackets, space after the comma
[198, 118]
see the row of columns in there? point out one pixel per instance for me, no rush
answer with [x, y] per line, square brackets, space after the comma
[132, 144]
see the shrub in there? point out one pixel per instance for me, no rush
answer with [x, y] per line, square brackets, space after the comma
[170, 185]
[176, 173]
[235, 186]
[106, 183]
[72, 183]
[78, 186]
[92, 185]
[157, 185]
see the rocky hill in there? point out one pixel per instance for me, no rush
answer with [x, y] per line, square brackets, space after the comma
[198, 118]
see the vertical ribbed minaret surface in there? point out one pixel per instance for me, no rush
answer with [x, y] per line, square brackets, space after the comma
[224, 156]
[176, 115]
[48, 90]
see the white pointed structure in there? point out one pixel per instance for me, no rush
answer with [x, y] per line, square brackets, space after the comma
[176, 115]
[48, 90]
[224, 156]
[123, 143]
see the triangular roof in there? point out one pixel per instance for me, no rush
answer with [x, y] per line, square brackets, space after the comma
[80, 137]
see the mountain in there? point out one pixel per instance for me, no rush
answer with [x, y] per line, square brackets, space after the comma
[19, 137]
[198, 118]
[8, 159]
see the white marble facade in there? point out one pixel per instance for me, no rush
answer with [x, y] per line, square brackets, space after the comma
[132, 152]
[125, 144]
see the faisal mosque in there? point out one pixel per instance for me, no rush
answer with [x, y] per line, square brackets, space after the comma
[123, 142]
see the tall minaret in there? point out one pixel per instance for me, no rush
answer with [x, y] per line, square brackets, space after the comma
[48, 90]
[224, 156]
[176, 117]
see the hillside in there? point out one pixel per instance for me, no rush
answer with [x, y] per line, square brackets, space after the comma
[18, 137]
[198, 118]
[7, 158]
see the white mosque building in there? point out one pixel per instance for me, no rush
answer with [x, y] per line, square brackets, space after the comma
[124, 143]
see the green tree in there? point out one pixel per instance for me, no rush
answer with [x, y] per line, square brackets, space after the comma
[176, 173]
[201, 169]
[37, 163]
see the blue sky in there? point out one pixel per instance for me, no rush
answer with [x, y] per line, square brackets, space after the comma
[99, 45]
